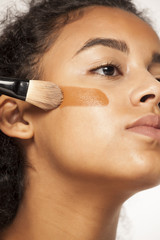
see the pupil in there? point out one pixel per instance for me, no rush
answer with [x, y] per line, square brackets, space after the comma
[109, 70]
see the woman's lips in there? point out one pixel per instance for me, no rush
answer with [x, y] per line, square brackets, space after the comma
[148, 125]
[148, 131]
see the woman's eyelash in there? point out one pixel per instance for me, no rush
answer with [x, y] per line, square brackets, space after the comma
[108, 69]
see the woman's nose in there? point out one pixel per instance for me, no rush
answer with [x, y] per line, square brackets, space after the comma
[146, 92]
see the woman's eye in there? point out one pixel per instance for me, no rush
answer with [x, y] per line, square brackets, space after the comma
[108, 70]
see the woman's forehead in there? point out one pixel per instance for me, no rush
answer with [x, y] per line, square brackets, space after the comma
[100, 18]
[106, 22]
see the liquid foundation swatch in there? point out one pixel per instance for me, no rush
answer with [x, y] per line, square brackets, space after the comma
[77, 96]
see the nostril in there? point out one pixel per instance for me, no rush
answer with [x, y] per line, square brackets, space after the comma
[148, 96]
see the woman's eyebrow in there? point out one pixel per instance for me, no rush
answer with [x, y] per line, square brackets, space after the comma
[107, 42]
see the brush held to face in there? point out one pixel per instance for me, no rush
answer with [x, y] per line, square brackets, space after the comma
[43, 94]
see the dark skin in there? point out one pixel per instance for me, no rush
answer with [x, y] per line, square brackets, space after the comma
[85, 162]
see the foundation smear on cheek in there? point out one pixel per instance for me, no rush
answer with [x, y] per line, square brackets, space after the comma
[76, 96]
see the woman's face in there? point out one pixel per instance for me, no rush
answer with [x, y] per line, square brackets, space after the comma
[108, 59]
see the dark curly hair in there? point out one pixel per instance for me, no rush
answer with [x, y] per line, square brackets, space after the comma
[22, 44]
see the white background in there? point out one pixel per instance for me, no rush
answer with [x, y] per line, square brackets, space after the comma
[142, 212]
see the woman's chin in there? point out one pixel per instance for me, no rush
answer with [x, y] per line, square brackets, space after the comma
[140, 180]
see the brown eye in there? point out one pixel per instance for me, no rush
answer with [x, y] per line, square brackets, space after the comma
[108, 70]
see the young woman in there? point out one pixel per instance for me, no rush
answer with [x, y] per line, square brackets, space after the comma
[65, 173]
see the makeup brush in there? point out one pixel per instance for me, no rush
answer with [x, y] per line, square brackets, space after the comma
[43, 94]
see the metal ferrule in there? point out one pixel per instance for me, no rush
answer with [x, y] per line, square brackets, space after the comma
[13, 87]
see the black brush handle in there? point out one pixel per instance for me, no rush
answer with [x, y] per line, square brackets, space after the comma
[16, 88]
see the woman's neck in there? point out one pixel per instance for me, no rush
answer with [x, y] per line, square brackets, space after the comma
[65, 209]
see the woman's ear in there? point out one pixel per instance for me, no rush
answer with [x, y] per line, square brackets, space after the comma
[12, 120]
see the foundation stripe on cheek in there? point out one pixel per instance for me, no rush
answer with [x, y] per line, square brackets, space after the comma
[76, 96]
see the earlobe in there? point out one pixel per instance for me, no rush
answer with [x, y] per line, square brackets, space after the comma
[12, 122]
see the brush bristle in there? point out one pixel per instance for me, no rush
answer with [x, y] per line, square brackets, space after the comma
[43, 94]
